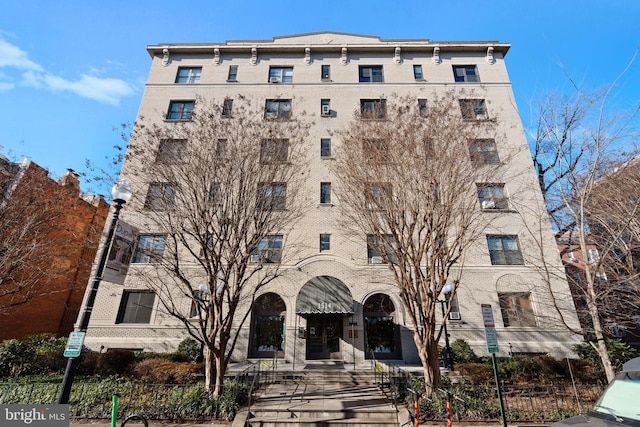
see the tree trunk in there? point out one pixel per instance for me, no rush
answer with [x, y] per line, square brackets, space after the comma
[430, 367]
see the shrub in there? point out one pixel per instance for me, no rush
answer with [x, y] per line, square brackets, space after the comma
[35, 354]
[619, 353]
[163, 371]
[115, 362]
[191, 349]
[462, 352]
[475, 373]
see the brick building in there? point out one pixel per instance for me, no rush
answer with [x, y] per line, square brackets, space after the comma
[49, 234]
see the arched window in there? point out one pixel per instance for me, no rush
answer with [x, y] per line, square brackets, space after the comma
[267, 326]
[382, 336]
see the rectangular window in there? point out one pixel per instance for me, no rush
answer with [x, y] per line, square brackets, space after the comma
[188, 75]
[373, 109]
[516, 309]
[280, 74]
[454, 312]
[325, 192]
[504, 250]
[371, 74]
[593, 255]
[136, 307]
[325, 148]
[492, 197]
[221, 148]
[326, 72]
[160, 196]
[474, 109]
[171, 151]
[233, 73]
[277, 109]
[272, 196]
[483, 151]
[274, 150]
[268, 250]
[417, 72]
[466, 74]
[150, 248]
[214, 195]
[377, 249]
[227, 107]
[378, 196]
[423, 109]
[325, 242]
[325, 107]
[180, 110]
[199, 297]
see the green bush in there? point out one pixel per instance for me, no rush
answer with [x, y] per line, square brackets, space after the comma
[462, 352]
[115, 362]
[619, 353]
[36, 354]
[191, 349]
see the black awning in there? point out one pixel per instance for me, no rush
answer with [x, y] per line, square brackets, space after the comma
[324, 295]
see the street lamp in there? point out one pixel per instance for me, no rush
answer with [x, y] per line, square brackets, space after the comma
[446, 359]
[120, 194]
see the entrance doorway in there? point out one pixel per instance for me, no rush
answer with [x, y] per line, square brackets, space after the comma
[323, 337]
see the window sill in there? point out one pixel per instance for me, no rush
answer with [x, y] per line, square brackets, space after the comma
[232, 81]
[500, 210]
[326, 205]
[176, 120]
[327, 158]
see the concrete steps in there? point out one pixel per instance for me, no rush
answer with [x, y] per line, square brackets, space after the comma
[322, 397]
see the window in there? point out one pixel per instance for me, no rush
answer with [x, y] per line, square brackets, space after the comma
[325, 107]
[214, 195]
[593, 255]
[466, 74]
[171, 151]
[277, 109]
[325, 148]
[268, 250]
[188, 75]
[377, 247]
[483, 151]
[516, 309]
[150, 248]
[227, 106]
[325, 242]
[474, 109]
[326, 72]
[454, 307]
[373, 109]
[417, 72]
[272, 196]
[371, 74]
[504, 250]
[197, 303]
[233, 73]
[280, 74]
[136, 307]
[492, 196]
[375, 150]
[378, 196]
[325, 192]
[221, 148]
[180, 110]
[423, 108]
[274, 150]
[161, 195]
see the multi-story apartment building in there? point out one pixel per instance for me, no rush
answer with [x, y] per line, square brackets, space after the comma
[323, 78]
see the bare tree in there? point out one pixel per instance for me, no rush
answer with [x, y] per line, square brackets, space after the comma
[578, 146]
[409, 183]
[223, 188]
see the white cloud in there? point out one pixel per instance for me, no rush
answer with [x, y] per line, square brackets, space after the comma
[107, 90]
[13, 56]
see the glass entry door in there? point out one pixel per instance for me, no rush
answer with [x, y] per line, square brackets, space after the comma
[323, 337]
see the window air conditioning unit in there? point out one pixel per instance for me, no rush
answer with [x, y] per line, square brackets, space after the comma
[454, 315]
[325, 110]
[255, 258]
[488, 204]
[377, 260]
[274, 79]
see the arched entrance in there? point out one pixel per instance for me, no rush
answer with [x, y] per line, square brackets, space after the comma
[382, 335]
[267, 326]
[324, 301]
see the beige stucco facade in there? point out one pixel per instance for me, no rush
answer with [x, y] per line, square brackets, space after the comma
[347, 260]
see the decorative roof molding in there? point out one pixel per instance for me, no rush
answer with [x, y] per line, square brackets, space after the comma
[396, 55]
[216, 56]
[490, 58]
[344, 58]
[254, 55]
[307, 55]
[165, 56]
[436, 55]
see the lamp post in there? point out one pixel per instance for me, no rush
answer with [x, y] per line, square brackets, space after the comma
[447, 359]
[120, 194]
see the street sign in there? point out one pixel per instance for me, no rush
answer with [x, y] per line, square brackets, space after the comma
[489, 329]
[74, 344]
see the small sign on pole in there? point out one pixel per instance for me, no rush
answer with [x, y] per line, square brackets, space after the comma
[74, 344]
[490, 329]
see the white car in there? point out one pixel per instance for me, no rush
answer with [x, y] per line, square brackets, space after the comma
[619, 405]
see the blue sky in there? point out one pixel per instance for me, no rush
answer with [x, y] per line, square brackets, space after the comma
[72, 71]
